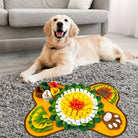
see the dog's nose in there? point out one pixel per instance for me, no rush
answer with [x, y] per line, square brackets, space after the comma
[60, 24]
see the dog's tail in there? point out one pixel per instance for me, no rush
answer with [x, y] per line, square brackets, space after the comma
[130, 55]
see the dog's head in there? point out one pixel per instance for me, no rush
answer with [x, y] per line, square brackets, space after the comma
[61, 26]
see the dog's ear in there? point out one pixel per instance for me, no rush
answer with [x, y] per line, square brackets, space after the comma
[74, 30]
[47, 29]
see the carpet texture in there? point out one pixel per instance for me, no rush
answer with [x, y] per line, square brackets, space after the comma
[16, 98]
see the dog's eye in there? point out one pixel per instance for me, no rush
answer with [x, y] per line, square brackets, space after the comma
[55, 20]
[66, 20]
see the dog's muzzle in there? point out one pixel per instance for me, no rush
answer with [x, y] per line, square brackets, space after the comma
[60, 33]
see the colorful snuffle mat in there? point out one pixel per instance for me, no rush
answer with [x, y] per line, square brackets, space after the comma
[75, 107]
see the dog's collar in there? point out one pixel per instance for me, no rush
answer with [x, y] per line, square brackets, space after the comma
[56, 48]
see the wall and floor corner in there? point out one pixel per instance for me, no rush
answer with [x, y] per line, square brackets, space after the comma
[123, 17]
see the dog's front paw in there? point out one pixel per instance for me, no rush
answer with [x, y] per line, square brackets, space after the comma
[30, 79]
[25, 74]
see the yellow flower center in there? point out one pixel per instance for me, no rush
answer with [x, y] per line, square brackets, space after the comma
[76, 105]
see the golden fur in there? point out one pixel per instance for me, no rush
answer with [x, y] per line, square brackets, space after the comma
[70, 52]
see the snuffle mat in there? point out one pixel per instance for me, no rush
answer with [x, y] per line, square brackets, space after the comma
[75, 107]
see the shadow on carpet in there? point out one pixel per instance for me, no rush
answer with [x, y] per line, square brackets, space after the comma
[16, 98]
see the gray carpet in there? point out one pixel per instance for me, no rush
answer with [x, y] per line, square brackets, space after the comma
[16, 98]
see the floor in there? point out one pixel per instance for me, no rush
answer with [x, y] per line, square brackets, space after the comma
[19, 61]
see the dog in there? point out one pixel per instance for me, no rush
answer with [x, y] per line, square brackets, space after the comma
[63, 52]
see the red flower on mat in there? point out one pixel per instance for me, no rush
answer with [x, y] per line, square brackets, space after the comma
[53, 84]
[76, 104]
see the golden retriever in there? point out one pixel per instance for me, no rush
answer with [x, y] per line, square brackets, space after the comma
[63, 52]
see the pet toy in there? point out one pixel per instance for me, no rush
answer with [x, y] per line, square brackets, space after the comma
[75, 107]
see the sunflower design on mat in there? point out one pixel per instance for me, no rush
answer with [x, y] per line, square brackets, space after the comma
[76, 108]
